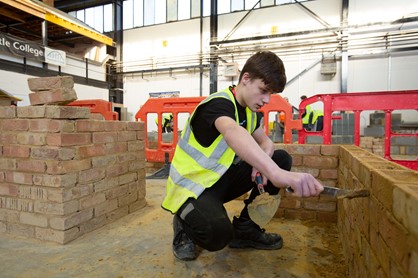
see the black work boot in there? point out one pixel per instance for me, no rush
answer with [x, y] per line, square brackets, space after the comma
[183, 247]
[248, 234]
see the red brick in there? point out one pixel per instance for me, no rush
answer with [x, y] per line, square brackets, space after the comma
[68, 139]
[67, 222]
[117, 170]
[134, 146]
[89, 125]
[17, 151]
[31, 112]
[115, 126]
[16, 125]
[105, 137]
[34, 219]
[8, 137]
[117, 147]
[135, 126]
[34, 166]
[53, 82]
[19, 178]
[92, 200]
[67, 112]
[91, 151]
[91, 175]
[63, 167]
[49, 125]
[8, 190]
[126, 136]
[7, 112]
[106, 207]
[29, 138]
[328, 173]
[57, 153]
[53, 96]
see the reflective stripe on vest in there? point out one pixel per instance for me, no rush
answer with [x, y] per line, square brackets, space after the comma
[308, 110]
[195, 167]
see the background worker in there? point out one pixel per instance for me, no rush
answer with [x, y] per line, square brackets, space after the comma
[306, 114]
[167, 122]
[316, 120]
[221, 149]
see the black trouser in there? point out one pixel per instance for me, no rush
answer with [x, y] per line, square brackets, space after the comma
[205, 219]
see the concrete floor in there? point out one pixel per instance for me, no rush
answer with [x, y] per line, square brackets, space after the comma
[139, 245]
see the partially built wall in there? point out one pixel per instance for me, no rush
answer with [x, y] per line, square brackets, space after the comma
[64, 174]
[379, 233]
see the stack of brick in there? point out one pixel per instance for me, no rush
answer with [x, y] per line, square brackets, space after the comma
[322, 162]
[52, 90]
[63, 174]
[379, 233]
[373, 144]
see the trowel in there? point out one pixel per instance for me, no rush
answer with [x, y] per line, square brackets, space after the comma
[340, 193]
[262, 209]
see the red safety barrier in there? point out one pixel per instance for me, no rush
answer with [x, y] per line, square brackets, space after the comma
[357, 102]
[99, 106]
[175, 106]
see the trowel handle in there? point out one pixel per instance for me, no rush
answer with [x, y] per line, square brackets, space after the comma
[259, 182]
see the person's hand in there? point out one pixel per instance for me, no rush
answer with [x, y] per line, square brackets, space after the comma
[254, 173]
[305, 185]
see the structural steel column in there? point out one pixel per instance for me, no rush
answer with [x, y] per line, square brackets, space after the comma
[213, 49]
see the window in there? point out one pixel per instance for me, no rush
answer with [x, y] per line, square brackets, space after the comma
[128, 19]
[108, 14]
[195, 9]
[184, 9]
[249, 4]
[160, 11]
[172, 10]
[237, 5]
[224, 7]
[138, 13]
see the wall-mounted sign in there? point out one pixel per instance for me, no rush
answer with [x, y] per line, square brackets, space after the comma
[30, 50]
[55, 57]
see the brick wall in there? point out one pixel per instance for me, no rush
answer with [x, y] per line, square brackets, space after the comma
[379, 233]
[322, 162]
[63, 174]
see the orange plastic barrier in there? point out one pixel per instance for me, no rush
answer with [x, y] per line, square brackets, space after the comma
[279, 104]
[187, 105]
[100, 106]
[160, 106]
[357, 102]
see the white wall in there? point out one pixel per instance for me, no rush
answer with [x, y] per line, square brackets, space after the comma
[366, 73]
[17, 85]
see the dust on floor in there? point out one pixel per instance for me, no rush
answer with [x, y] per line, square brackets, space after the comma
[139, 245]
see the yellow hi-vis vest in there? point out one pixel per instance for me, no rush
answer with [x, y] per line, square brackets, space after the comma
[194, 167]
[316, 114]
[308, 110]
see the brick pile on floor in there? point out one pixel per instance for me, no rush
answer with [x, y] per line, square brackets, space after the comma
[62, 172]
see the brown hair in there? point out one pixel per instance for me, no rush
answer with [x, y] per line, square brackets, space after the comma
[268, 67]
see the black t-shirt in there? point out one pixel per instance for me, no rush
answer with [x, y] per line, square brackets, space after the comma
[203, 122]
